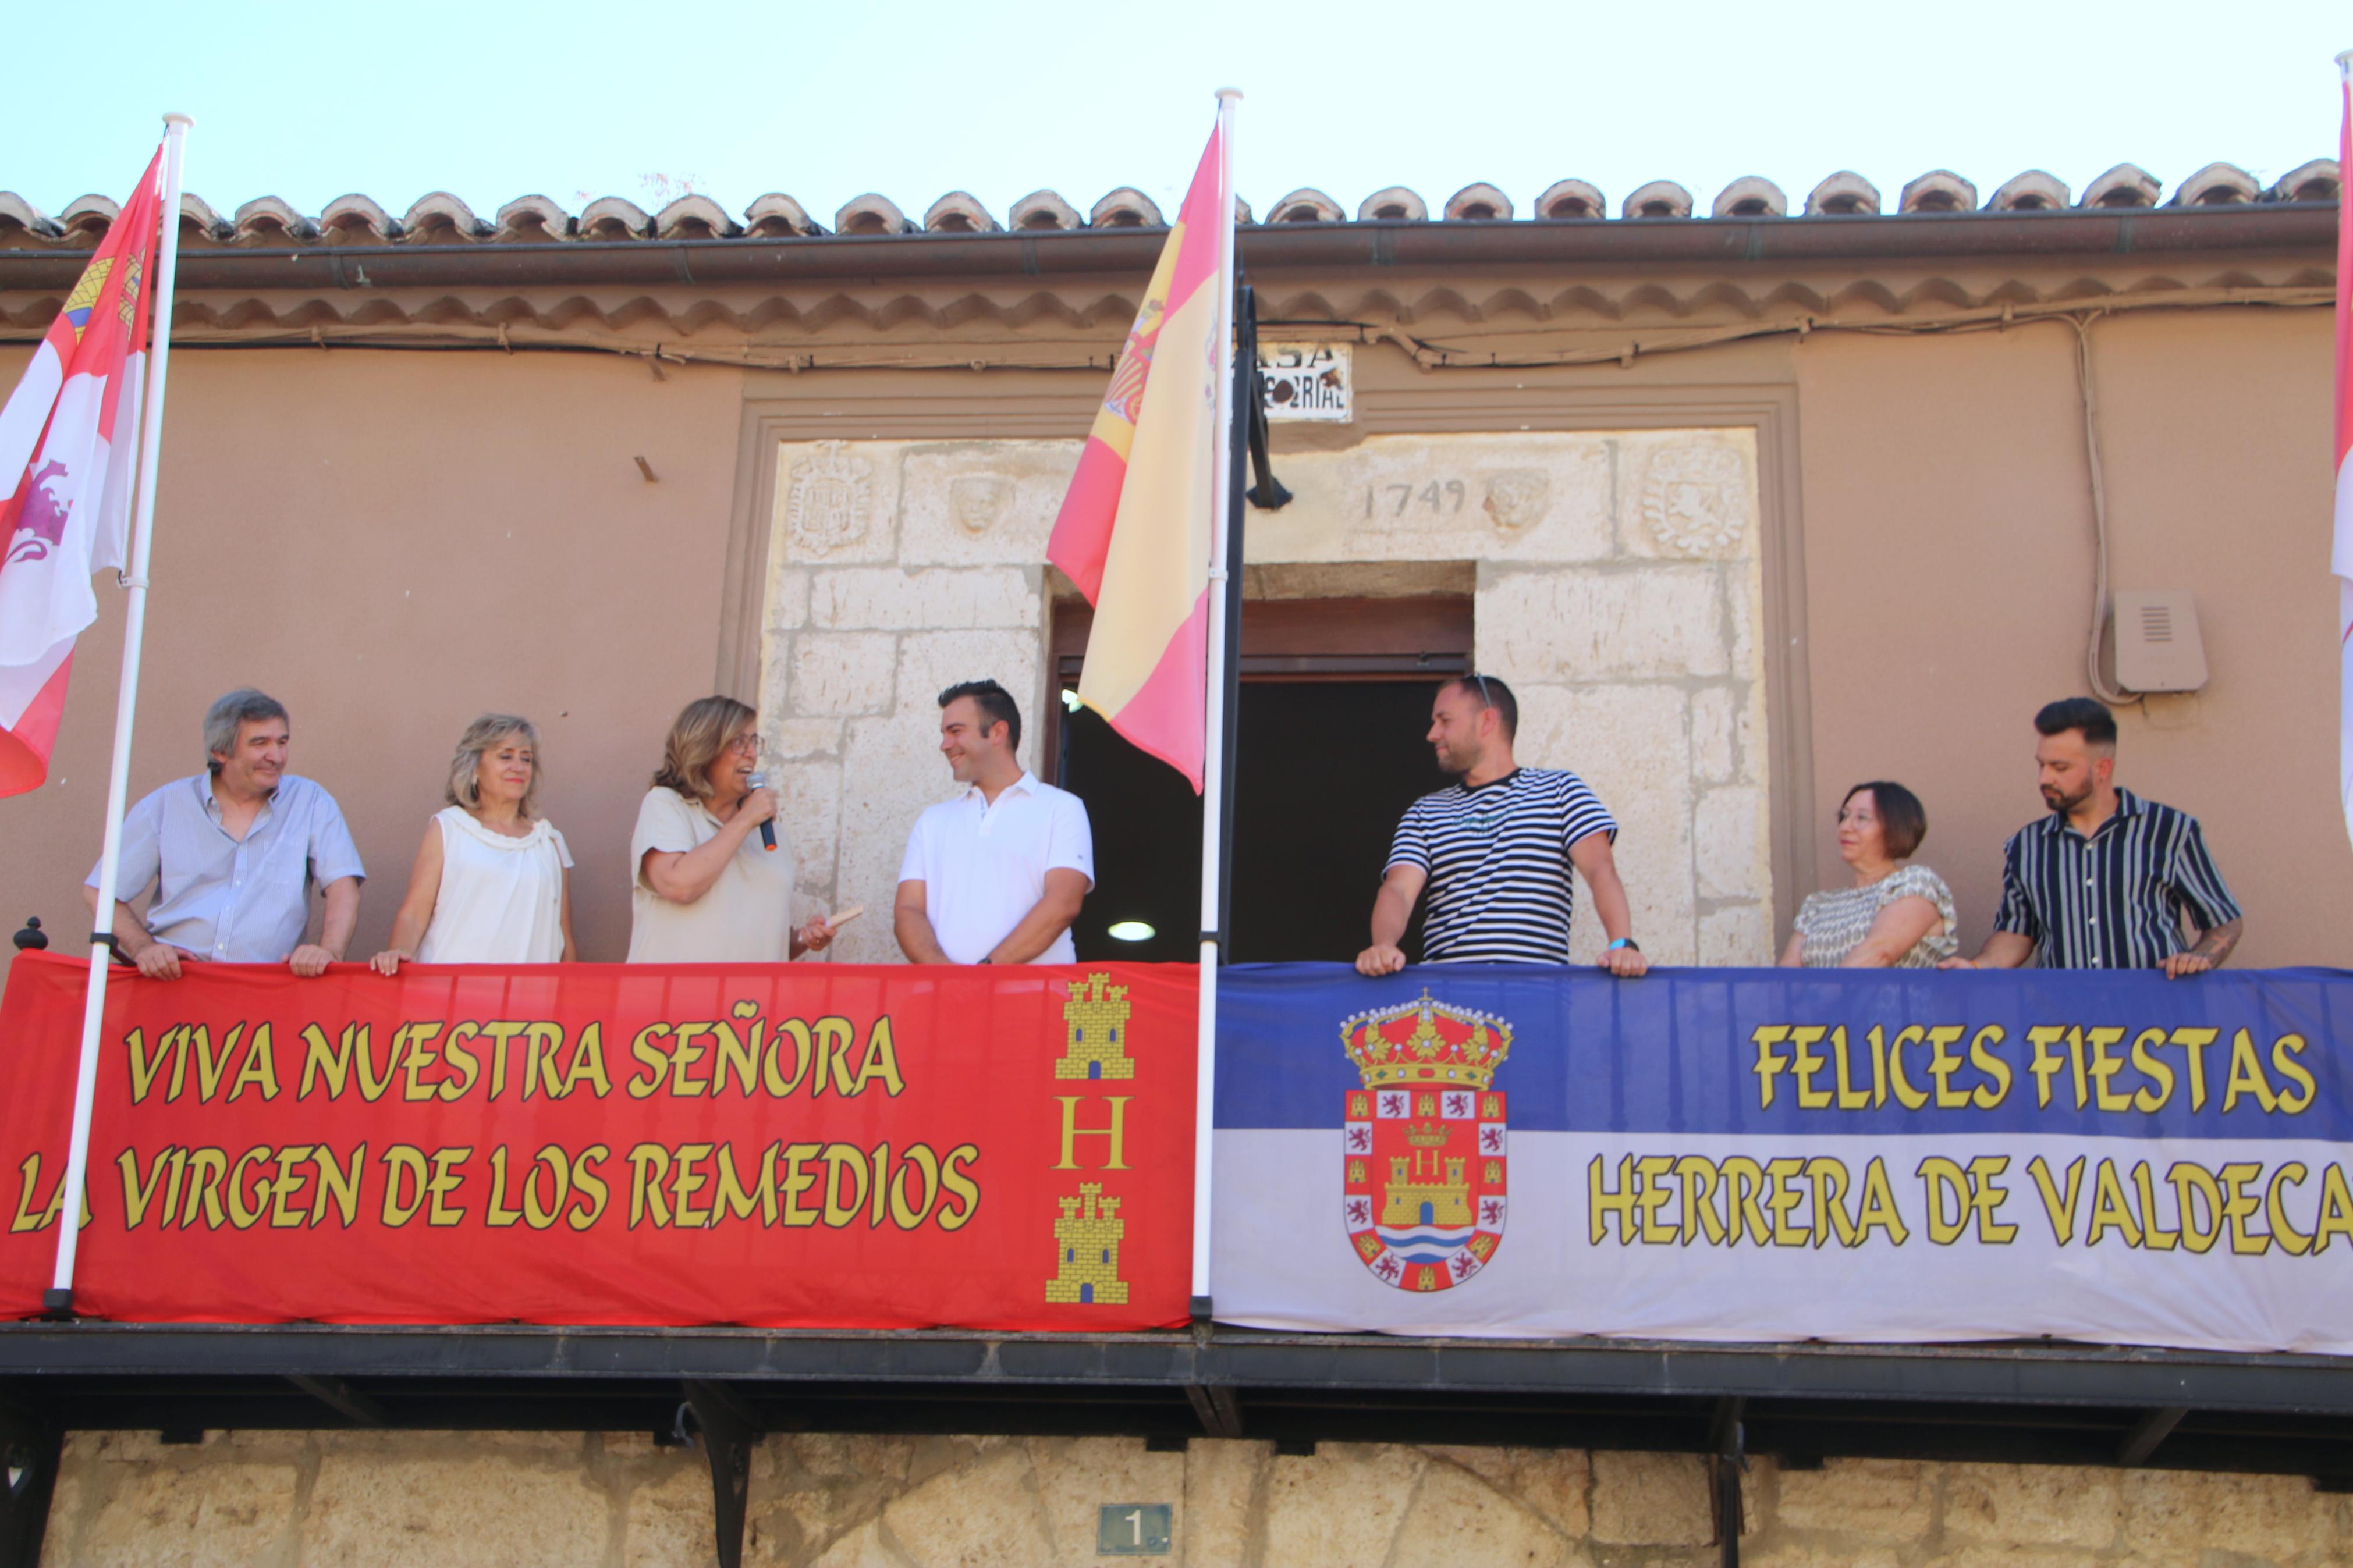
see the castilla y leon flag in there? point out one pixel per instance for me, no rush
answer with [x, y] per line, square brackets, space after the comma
[1135, 530]
[2343, 559]
[66, 438]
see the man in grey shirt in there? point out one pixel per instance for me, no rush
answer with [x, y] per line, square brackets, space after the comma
[232, 854]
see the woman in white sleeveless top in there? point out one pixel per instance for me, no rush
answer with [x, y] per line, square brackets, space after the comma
[493, 878]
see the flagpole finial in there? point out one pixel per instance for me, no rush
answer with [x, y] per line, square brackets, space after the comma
[2344, 62]
[185, 121]
[1234, 94]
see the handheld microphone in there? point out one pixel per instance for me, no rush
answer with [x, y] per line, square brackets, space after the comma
[768, 828]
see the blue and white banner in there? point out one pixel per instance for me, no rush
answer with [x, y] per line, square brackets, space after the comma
[1766, 1154]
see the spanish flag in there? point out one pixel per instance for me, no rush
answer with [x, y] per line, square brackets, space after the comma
[1135, 530]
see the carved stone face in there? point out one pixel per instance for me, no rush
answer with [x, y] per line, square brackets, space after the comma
[1518, 497]
[977, 500]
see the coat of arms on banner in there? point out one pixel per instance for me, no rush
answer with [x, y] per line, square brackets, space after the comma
[1423, 1142]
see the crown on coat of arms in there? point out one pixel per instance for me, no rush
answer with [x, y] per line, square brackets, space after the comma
[1426, 1042]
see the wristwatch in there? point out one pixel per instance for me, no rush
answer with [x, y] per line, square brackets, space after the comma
[1627, 942]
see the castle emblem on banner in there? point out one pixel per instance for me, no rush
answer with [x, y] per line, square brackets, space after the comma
[1423, 1143]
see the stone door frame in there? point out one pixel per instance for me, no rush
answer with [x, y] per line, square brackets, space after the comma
[879, 406]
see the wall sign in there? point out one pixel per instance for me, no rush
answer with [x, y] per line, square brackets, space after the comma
[1307, 382]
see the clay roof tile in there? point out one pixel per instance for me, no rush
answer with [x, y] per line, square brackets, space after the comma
[958, 212]
[1844, 194]
[1044, 209]
[529, 219]
[197, 213]
[1751, 195]
[91, 216]
[1659, 198]
[872, 214]
[2318, 181]
[777, 216]
[1396, 203]
[614, 218]
[1572, 199]
[2217, 186]
[268, 220]
[438, 218]
[2034, 191]
[15, 210]
[694, 216]
[2126, 185]
[1478, 203]
[1125, 207]
[1938, 191]
[1307, 204]
[355, 220]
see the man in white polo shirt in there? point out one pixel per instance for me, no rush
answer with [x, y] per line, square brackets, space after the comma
[997, 875]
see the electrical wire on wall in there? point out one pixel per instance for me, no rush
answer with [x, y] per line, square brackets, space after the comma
[2091, 402]
[1426, 354]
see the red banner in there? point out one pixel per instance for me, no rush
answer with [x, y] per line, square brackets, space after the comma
[814, 1145]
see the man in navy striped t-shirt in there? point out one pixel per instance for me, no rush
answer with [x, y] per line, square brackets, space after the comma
[1495, 849]
[2104, 881]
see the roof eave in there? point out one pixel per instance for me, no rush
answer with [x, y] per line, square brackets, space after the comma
[1377, 243]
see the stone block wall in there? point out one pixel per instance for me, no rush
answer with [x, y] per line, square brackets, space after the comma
[896, 570]
[295, 1500]
[1619, 588]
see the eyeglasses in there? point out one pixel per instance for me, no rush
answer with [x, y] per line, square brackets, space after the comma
[745, 745]
[1485, 698]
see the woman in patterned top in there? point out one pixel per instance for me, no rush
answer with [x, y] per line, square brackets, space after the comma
[1896, 915]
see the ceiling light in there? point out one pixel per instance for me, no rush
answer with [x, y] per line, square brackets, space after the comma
[1131, 931]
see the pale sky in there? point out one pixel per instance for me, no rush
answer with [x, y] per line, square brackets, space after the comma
[591, 97]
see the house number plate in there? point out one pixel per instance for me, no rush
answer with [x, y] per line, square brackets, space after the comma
[1132, 1530]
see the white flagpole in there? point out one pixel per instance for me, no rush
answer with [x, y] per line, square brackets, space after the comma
[1213, 759]
[59, 1297]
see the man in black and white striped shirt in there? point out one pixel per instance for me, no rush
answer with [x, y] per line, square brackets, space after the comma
[1495, 849]
[2104, 881]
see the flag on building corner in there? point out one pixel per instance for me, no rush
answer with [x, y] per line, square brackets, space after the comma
[1135, 530]
[2342, 559]
[67, 438]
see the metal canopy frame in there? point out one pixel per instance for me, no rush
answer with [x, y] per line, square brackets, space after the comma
[722, 1388]
[2068, 1404]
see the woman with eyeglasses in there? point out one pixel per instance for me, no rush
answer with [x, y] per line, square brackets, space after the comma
[707, 891]
[1896, 915]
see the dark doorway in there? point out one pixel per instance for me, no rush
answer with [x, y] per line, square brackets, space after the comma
[1330, 753]
[1323, 770]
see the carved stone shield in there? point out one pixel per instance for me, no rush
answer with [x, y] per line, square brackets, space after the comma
[1696, 499]
[829, 500]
